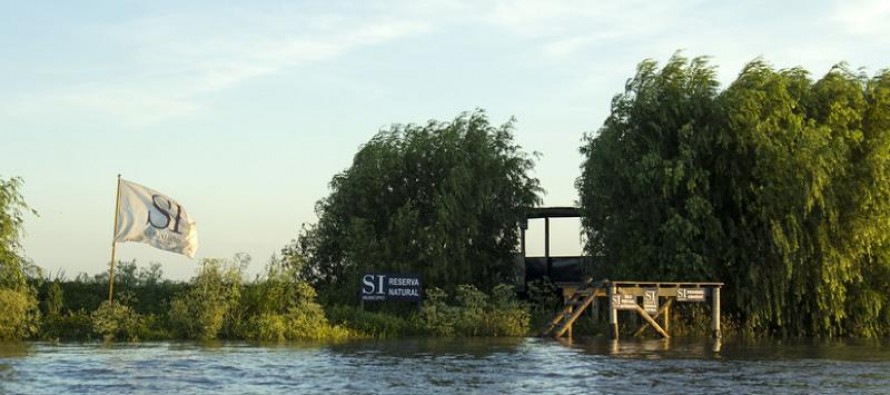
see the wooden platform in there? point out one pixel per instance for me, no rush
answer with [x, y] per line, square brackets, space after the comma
[649, 299]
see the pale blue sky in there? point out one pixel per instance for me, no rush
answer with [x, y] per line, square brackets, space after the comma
[244, 111]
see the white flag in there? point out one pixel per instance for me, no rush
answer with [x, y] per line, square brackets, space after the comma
[147, 216]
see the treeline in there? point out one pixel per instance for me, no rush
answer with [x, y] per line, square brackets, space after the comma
[778, 185]
[218, 303]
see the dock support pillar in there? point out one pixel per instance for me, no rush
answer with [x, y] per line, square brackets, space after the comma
[595, 310]
[613, 311]
[547, 260]
[570, 312]
[715, 312]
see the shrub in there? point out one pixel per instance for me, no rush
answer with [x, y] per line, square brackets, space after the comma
[476, 314]
[267, 327]
[508, 317]
[115, 321]
[281, 306]
[19, 316]
[437, 317]
[71, 325]
[471, 312]
[374, 324]
[203, 311]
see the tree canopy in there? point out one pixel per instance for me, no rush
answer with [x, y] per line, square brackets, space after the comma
[776, 185]
[442, 199]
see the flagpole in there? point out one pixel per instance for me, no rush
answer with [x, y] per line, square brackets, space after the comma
[117, 204]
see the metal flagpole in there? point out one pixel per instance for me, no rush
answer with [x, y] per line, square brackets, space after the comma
[117, 205]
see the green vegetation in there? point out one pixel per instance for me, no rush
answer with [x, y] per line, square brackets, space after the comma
[216, 304]
[470, 312]
[475, 313]
[116, 321]
[18, 302]
[280, 306]
[277, 306]
[207, 308]
[442, 200]
[776, 186]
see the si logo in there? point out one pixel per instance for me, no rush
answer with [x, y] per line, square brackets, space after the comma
[162, 214]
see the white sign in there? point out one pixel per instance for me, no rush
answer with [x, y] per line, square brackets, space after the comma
[691, 295]
[624, 302]
[388, 286]
[650, 300]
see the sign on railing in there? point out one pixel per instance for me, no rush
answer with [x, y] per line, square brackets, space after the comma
[391, 286]
[624, 302]
[650, 300]
[690, 295]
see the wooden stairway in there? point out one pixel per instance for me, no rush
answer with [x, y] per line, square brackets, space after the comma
[574, 307]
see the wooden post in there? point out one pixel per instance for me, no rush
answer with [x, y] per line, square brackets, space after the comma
[571, 310]
[595, 309]
[667, 316]
[117, 206]
[547, 261]
[613, 312]
[715, 312]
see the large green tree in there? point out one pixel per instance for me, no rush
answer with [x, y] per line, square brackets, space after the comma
[807, 200]
[776, 185]
[442, 199]
[646, 182]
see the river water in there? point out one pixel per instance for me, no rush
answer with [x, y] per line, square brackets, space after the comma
[451, 366]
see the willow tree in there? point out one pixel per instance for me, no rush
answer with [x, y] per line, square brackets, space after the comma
[777, 186]
[646, 194]
[868, 300]
[442, 200]
[17, 300]
[808, 200]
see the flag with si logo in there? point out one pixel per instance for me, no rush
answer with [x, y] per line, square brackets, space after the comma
[148, 216]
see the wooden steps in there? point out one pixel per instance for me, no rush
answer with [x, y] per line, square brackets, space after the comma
[575, 305]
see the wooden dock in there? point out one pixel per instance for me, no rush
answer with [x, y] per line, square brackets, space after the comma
[649, 299]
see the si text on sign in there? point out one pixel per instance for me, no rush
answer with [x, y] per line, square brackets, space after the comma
[624, 302]
[391, 286]
[650, 300]
[691, 295]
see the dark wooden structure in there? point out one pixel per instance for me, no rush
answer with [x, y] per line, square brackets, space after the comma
[556, 268]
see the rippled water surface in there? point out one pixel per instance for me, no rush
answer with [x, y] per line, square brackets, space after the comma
[458, 366]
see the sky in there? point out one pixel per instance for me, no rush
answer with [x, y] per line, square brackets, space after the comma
[244, 111]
